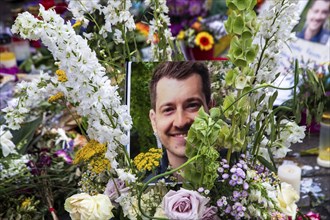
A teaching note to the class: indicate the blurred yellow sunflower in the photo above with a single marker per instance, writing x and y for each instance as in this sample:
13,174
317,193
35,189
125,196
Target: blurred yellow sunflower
204,40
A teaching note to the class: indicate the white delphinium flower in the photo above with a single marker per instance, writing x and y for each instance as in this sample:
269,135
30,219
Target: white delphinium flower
117,13
86,85
125,176
157,26
81,7
7,146
18,109
276,24
290,133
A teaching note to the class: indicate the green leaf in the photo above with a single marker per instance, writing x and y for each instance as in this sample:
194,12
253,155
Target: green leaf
272,100
266,163
24,135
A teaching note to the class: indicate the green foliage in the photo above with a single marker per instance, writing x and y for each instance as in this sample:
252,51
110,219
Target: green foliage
311,95
142,137
23,137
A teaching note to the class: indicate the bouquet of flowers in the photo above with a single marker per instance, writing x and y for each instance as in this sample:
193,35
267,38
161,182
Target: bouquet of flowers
240,185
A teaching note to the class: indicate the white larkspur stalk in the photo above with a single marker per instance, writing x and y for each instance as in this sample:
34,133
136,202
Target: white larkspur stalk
116,14
159,25
87,87
274,33
31,94
276,24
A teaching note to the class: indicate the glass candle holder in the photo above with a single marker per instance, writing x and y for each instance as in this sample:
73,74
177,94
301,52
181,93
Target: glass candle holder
324,141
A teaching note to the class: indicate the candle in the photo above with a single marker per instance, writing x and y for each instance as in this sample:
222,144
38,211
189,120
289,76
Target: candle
291,174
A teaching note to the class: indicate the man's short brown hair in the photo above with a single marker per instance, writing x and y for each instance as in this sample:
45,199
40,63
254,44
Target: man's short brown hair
180,70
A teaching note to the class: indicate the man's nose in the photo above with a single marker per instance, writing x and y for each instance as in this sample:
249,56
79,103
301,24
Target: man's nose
182,119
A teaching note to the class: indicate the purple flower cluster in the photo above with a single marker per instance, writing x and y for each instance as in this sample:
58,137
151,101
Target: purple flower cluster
233,178
43,160
183,13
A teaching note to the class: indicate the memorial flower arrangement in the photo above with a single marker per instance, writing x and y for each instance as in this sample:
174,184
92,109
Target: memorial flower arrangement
241,185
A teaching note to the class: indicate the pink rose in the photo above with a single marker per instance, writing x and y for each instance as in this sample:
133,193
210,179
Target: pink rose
111,189
210,213
184,204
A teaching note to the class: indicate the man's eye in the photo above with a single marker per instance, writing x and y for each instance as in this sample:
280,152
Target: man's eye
194,105
167,110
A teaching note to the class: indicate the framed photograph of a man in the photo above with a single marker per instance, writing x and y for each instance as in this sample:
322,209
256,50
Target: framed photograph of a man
314,22
164,98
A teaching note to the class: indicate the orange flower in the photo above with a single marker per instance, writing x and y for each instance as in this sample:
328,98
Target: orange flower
197,26
143,28
204,40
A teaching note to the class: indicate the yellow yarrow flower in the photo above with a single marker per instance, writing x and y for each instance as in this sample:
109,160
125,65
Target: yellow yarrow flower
149,160
61,75
204,40
92,148
99,165
56,97
77,24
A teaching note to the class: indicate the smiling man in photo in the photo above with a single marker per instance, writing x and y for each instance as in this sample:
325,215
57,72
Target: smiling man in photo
177,91
317,15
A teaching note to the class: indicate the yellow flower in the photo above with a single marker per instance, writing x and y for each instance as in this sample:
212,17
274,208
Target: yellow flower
204,40
77,24
99,165
61,76
26,203
92,148
149,160
56,97
181,35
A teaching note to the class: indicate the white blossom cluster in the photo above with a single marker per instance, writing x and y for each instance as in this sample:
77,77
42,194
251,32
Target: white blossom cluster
276,24
129,203
6,144
290,133
274,33
157,25
79,8
14,167
32,94
117,13
87,87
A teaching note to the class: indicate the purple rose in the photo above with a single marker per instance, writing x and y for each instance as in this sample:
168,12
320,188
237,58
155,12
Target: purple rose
184,204
111,189
210,213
